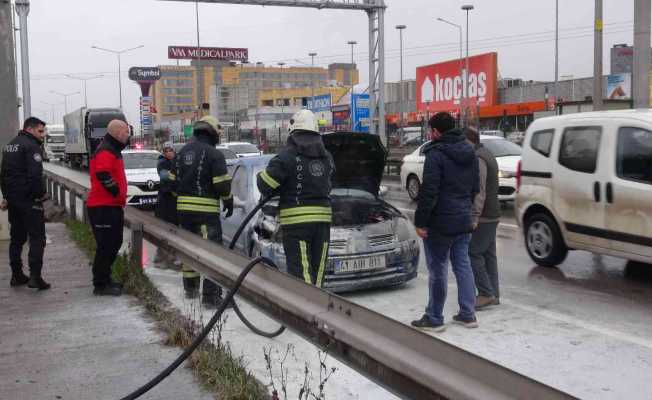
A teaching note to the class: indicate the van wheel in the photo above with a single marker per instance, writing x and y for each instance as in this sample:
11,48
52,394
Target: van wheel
544,242
413,187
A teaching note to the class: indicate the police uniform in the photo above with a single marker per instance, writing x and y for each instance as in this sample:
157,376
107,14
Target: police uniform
21,180
301,175
202,181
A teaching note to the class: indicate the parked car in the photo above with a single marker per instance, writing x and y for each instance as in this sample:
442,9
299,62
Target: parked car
241,149
372,243
586,184
494,132
507,155
142,178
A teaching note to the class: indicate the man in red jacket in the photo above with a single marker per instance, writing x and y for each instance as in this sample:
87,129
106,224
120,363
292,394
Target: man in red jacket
106,202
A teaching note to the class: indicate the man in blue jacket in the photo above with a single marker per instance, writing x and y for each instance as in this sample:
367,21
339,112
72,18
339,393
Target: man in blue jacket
443,220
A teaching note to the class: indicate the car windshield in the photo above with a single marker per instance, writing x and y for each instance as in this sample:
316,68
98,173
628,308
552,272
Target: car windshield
243,148
140,160
502,147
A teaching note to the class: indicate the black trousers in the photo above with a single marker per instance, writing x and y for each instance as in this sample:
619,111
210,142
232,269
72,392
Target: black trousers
209,231
27,222
166,207
306,250
107,224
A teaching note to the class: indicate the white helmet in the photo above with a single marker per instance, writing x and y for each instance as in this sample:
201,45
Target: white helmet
304,120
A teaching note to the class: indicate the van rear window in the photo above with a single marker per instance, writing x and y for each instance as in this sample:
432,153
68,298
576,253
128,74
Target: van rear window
579,148
541,141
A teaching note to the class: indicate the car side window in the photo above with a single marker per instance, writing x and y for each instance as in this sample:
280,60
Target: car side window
239,183
579,148
634,155
541,141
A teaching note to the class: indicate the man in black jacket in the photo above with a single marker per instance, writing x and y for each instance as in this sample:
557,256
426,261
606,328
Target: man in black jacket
166,204
21,181
443,220
301,174
202,181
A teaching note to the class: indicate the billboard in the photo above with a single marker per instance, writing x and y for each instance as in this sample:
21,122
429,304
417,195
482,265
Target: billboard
322,103
619,86
207,53
144,74
441,87
360,112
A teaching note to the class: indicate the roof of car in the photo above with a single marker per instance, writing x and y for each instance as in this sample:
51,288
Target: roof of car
230,143
253,161
643,114
140,151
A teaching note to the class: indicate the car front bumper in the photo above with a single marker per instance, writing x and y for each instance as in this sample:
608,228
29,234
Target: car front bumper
506,189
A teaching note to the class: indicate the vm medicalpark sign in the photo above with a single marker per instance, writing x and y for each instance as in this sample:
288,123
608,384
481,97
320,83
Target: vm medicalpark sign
207,53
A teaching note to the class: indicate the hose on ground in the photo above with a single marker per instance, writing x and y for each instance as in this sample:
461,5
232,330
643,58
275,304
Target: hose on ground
207,329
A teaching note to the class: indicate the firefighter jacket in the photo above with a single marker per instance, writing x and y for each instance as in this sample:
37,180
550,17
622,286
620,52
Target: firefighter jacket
21,177
201,181
107,171
301,175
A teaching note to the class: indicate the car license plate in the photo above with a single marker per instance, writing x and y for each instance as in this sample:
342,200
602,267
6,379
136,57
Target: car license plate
148,200
360,264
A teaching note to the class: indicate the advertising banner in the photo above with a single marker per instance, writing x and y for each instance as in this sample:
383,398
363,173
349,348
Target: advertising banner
144,74
207,53
441,87
360,112
322,103
619,86
146,120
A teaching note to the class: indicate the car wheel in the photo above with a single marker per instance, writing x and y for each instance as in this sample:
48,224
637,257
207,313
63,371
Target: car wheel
413,187
544,242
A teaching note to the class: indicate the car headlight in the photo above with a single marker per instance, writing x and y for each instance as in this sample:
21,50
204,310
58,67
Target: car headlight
505,174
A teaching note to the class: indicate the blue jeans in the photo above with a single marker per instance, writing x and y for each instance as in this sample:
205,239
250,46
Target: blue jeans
437,254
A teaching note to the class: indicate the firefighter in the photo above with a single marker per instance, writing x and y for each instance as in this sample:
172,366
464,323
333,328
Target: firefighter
301,175
23,194
201,182
166,204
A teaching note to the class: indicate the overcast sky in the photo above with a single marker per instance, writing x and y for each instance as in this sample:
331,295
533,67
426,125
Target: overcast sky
62,32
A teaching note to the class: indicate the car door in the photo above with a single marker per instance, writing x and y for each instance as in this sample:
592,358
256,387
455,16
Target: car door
577,187
628,191
240,192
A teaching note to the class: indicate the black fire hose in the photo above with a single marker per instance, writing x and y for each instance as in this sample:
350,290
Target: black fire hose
237,310
207,329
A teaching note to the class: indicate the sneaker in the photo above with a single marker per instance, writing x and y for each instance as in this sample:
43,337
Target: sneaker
18,279
466,322
426,324
107,290
38,283
482,302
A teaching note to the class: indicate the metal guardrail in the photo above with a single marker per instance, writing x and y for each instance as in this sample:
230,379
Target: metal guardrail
405,361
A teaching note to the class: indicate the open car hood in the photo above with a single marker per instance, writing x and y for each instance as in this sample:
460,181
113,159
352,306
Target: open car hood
359,160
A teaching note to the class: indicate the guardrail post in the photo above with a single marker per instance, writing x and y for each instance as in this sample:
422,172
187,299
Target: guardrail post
72,199
62,196
137,242
55,192
84,212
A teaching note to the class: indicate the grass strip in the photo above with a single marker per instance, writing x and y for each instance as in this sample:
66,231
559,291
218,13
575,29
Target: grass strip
213,363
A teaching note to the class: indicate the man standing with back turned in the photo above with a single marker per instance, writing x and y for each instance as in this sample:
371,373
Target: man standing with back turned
21,180
443,220
106,201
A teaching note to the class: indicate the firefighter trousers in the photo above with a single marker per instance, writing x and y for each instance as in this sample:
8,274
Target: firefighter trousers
107,224
306,250
27,222
191,279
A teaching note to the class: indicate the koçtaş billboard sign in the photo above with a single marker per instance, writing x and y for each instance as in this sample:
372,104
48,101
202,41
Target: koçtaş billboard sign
441,87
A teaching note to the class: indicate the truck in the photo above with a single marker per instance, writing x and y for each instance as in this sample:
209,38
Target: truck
84,129
55,142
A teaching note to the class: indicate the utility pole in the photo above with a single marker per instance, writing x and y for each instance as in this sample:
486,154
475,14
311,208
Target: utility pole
556,52
312,74
22,9
8,98
281,64
352,43
467,8
641,71
401,109
597,57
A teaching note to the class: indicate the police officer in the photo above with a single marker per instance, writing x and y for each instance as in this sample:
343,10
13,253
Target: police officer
301,174
21,181
166,205
201,182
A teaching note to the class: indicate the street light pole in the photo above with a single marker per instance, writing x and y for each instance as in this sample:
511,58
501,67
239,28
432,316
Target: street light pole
22,9
351,43
281,64
400,85
556,52
467,8
312,74
52,105
118,53
464,92
65,98
84,80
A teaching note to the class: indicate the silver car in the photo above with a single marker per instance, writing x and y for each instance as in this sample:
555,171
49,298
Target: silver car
372,243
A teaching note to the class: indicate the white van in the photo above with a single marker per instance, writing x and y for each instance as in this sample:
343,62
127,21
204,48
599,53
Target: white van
585,183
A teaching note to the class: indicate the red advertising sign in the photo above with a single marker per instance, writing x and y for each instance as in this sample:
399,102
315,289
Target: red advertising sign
207,53
441,87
